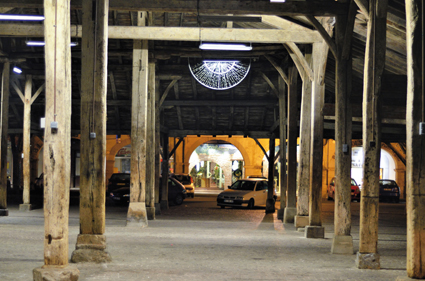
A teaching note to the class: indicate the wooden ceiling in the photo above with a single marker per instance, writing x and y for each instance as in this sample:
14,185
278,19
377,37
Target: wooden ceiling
250,108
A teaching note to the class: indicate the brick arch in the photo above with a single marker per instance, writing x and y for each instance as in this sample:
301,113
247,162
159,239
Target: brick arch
189,150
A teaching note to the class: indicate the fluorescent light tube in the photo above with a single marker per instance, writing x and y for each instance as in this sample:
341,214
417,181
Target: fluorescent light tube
17,70
42,43
21,17
35,43
277,1
225,47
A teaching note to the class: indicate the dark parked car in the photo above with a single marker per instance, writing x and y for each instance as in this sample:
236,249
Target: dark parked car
176,193
187,181
389,191
355,190
118,180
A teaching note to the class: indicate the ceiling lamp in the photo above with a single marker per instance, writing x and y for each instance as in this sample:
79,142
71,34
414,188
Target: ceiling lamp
225,47
277,1
42,43
17,70
21,17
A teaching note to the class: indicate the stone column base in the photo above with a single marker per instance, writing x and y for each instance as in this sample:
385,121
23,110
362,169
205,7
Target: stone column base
368,261
164,204
280,214
270,208
25,207
136,215
150,211
289,215
314,232
157,209
90,248
342,244
57,273
301,221
4,212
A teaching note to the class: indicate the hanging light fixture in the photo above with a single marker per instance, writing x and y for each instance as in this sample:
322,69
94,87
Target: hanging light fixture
17,70
21,17
42,43
225,46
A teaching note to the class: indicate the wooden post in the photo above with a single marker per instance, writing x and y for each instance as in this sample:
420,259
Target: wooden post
165,169
3,143
368,256
26,206
137,209
157,148
315,229
415,143
91,242
282,147
150,144
57,143
270,208
303,177
342,242
291,209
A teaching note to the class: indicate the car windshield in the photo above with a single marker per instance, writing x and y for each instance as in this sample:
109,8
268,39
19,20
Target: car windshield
387,183
120,177
243,185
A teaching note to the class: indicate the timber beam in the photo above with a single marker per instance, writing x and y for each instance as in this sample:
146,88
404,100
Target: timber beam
234,35
235,7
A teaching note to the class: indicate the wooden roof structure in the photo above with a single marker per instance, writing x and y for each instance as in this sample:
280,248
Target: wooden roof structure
175,31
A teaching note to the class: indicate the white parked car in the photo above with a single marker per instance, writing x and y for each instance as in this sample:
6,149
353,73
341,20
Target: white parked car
245,193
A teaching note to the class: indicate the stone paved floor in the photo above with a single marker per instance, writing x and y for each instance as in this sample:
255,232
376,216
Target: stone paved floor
199,241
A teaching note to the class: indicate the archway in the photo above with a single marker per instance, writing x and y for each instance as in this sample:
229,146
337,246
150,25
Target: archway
211,164
387,165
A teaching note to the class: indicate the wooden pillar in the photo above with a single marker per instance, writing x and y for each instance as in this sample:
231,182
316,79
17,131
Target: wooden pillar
137,209
91,242
303,177
415,143
291,207
368,256
315,229
282,147
26,206
342,242
157,148
150,144
57,143
270,208
165,169
3,143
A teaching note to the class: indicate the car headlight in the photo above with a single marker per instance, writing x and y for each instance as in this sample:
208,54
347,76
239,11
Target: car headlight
126,195
239,197
111,194
220,196
395,189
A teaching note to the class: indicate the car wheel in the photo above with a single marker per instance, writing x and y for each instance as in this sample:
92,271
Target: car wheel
251,203
397,200
178,200
193,195
222,207
329,198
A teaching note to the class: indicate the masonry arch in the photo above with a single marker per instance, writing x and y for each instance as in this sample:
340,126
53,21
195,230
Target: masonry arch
191,148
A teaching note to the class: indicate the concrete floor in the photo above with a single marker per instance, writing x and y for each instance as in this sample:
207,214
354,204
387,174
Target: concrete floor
199,241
